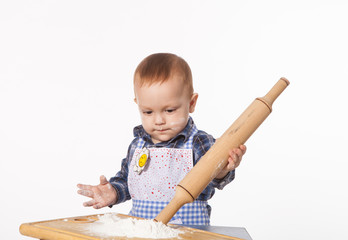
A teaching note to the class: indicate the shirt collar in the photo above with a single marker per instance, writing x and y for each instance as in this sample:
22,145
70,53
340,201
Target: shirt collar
139,131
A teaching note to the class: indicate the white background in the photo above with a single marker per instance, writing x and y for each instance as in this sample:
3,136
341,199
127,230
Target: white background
67,110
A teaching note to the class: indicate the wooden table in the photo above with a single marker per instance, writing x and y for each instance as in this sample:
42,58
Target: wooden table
74,228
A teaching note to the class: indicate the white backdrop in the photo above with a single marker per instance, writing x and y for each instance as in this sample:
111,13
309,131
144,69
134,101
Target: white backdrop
67,110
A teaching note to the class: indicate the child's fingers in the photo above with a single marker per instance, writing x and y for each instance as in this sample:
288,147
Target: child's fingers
236,164
86,193
234,155
89,203
84,187
97,206
238,153
231,164
243,148
103,180
235,158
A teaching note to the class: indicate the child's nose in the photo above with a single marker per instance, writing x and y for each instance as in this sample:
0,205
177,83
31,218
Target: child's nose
159,119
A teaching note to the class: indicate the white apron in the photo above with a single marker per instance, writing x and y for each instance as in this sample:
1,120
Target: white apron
154,187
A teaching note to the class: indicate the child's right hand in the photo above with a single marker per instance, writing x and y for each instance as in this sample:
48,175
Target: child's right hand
102,195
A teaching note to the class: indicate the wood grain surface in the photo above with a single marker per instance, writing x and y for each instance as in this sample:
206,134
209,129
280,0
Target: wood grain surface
76,228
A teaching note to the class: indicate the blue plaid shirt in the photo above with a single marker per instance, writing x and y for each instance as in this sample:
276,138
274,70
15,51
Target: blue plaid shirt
201,144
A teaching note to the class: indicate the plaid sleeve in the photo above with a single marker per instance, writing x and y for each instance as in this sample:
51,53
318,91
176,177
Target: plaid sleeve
120,180
201,144
221,183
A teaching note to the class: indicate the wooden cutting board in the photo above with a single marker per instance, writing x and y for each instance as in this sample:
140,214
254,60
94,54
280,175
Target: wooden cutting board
75,228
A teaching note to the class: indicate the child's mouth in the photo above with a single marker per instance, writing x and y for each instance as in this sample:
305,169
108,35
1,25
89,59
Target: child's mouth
161,130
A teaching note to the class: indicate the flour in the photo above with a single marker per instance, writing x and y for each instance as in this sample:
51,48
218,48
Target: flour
110,225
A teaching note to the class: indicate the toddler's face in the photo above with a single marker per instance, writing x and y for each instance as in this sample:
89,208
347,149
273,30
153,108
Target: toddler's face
164,108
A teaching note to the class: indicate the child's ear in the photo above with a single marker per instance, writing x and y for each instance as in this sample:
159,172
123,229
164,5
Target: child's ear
193,102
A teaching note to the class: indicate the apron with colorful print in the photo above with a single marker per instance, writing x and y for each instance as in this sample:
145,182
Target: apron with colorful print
154,187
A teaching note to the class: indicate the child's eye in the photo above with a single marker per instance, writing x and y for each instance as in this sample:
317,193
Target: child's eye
170,110
147,112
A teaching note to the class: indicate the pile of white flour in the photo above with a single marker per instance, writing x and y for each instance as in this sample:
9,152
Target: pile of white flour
110,225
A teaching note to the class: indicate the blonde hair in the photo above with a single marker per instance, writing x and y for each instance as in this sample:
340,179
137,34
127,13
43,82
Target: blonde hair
159,67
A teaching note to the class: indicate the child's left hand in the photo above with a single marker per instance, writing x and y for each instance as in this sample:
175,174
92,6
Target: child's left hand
234,160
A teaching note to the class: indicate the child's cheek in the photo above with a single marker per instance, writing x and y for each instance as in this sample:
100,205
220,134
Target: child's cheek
178,123
145,122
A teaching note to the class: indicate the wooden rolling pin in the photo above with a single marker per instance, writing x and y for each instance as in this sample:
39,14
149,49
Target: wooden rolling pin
216,158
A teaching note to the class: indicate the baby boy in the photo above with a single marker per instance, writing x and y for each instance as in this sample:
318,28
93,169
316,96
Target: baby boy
165,147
